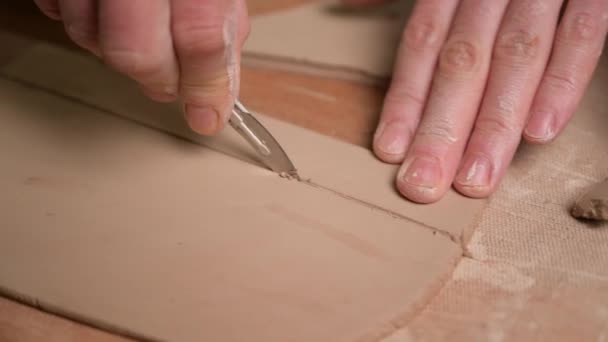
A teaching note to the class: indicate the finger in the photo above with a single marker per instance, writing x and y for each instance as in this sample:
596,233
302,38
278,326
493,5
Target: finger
50,8
208,38
135,39
80,21
520,55
460,79
421,42
577,48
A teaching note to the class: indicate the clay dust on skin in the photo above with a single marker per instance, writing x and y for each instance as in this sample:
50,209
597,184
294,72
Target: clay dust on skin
230,36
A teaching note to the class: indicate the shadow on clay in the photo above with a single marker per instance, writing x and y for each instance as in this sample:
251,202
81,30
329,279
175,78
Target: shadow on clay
86,140
392,10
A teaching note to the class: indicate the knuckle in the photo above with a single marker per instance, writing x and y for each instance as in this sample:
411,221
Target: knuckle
458,57
519,45
439,130
581,27
402,94
196,38
564,83
421,34
496,125
506,105
202,92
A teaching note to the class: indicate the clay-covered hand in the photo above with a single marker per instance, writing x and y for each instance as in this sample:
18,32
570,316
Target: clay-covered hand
187,49
474,76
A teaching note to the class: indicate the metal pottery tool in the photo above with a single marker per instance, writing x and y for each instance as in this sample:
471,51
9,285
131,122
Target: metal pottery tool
268,148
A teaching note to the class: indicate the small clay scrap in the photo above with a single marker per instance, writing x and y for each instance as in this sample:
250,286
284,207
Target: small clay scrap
594,205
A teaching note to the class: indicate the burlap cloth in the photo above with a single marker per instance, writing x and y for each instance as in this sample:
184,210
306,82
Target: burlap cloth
534,273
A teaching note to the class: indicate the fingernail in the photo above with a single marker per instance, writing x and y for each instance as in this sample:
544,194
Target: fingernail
203,120
541,127
475,172
423,172
393,139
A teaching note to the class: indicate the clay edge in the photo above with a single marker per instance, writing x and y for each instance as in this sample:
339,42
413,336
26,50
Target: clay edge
92,323
455,239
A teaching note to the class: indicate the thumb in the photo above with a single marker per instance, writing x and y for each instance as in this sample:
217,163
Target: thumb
208,37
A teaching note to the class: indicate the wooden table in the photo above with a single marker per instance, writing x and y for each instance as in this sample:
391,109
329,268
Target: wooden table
552,285
342,109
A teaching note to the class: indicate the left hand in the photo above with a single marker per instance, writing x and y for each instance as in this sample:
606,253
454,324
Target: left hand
472,77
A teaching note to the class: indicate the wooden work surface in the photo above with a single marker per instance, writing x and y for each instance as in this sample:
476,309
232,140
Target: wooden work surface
345,110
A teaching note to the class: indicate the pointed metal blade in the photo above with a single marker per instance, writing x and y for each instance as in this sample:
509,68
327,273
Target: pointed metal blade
269,150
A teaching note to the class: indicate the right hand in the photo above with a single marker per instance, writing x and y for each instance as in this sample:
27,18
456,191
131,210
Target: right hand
188,49
474,77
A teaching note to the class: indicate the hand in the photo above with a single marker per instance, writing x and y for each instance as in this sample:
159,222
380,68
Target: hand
472,77
173,48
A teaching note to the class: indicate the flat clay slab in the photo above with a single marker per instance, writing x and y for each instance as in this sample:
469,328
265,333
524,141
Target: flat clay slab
119,225
345,169
129,229
329,38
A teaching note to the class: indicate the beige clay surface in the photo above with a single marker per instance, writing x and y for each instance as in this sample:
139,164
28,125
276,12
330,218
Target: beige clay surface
349,170
129,229
327,37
